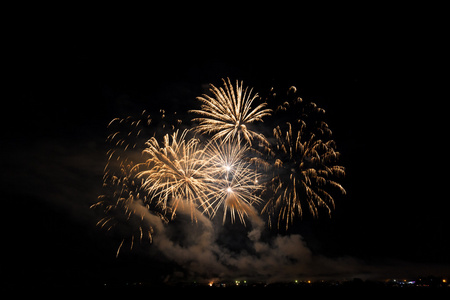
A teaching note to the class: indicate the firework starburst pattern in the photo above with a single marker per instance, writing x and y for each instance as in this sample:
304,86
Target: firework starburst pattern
223,164
228,113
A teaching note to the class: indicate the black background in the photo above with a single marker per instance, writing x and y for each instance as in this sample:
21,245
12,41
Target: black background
378,82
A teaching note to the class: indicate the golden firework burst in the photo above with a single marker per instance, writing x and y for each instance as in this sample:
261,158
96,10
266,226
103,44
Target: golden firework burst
176,173
229,112
235,179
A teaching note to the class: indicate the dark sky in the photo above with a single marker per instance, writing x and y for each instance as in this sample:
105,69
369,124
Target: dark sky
380,87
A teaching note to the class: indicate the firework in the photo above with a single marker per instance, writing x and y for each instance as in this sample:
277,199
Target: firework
228,114
176,173
304,166
235,179
122,203
159,170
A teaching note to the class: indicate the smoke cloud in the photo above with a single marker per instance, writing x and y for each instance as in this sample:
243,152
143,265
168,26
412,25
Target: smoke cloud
201,252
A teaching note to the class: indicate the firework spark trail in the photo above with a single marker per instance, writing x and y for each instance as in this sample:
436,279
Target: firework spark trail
229,112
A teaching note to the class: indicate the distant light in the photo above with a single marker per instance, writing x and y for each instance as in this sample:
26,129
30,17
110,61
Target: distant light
444,280
309,281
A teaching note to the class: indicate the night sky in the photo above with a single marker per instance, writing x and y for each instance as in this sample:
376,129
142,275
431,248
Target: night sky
384,102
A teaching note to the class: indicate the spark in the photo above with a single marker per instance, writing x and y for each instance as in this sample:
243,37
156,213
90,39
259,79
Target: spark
118,249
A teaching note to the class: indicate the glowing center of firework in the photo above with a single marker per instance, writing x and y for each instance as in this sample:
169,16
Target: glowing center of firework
228,168
229,190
